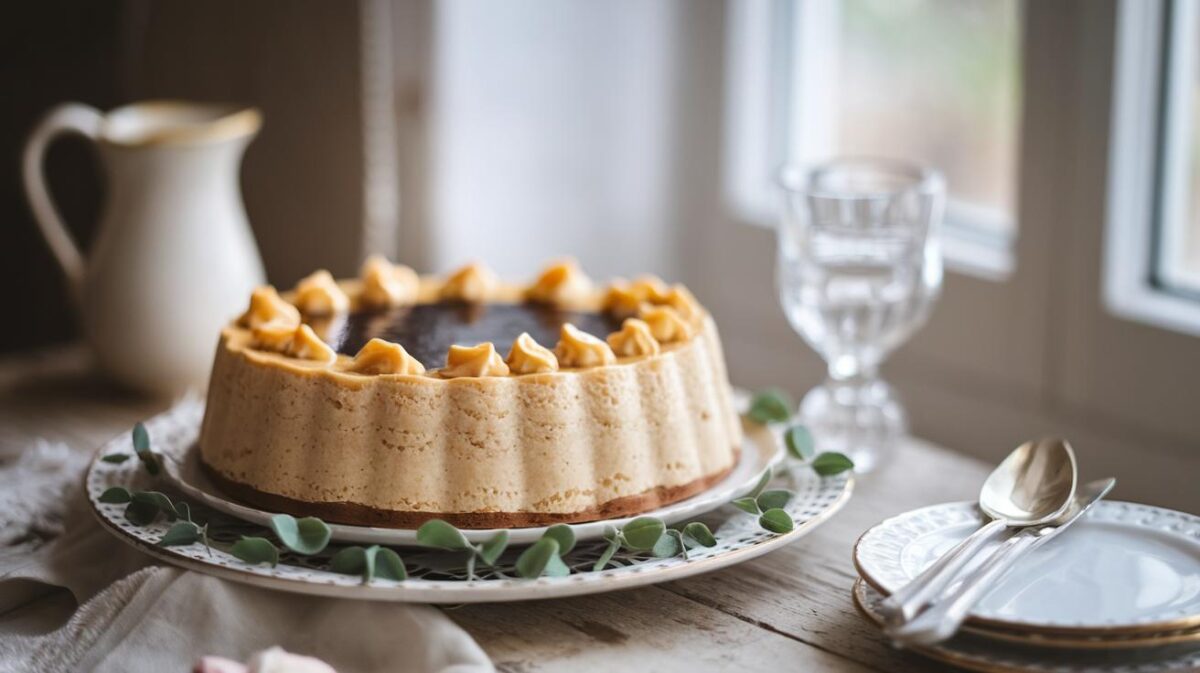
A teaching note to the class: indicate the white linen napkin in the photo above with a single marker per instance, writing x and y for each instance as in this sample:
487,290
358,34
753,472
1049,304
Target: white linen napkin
137,616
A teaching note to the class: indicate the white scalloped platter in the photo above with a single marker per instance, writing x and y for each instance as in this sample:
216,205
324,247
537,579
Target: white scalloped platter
439,577
1124,568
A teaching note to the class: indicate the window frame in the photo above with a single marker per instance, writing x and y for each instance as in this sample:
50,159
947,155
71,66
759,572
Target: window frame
1144,187
775,56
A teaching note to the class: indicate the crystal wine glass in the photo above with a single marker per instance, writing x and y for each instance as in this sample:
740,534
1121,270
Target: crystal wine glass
859,267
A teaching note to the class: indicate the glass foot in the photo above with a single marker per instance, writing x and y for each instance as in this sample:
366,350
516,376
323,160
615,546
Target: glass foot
863,420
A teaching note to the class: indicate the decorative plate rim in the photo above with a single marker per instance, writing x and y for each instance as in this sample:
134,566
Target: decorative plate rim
946,653
1145,626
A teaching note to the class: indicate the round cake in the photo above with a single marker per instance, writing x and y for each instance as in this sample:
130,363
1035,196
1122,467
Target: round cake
392,399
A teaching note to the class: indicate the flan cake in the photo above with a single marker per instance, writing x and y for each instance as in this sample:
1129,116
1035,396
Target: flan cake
392,398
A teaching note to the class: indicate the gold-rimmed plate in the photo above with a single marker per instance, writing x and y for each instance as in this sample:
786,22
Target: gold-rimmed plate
1107,642
983,654
1123,570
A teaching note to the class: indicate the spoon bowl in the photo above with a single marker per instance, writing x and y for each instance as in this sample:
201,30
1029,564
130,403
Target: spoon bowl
1034,485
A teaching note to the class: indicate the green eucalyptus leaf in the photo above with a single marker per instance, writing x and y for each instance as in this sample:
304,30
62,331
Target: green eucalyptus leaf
747,505
115,495
305,536
145,506
255,550
763,480
774,499
536,557
141,438
388,565
564,535
116,458
141,445
770,406
799,442
831,463
668,545
370,556
776,521
141,513
683,546
556,567
491,550
602,563
182,533
699,532
159,500
438,533
151,461
641,533
349,561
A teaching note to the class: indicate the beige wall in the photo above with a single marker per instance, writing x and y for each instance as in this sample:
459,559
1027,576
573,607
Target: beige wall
298,62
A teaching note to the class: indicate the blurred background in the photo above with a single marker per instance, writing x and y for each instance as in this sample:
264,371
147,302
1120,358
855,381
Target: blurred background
644,136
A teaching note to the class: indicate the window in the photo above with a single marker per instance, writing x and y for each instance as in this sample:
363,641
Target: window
1152,260
934,81
1177,256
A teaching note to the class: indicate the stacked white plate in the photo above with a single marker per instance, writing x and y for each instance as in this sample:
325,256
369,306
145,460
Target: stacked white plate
1118,591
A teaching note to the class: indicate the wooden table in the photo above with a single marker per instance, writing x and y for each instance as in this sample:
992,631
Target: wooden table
788,611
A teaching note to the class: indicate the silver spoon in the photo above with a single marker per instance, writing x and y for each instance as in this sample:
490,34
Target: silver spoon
1034,485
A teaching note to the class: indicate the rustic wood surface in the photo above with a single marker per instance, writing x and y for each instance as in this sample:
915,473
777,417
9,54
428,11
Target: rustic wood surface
789,610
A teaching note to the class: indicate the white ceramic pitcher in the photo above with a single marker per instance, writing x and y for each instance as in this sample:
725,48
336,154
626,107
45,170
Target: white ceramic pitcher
174,257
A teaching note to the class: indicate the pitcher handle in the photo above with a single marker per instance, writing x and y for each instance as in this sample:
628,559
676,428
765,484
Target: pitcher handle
66,118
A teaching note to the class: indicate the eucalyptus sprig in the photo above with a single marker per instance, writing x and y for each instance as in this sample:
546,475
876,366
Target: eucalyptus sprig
144,507
544,557
152,461
767,505
774,406
439,534
305,536
372,562
647,533
184,533
770,406
255,550
800,445
641,534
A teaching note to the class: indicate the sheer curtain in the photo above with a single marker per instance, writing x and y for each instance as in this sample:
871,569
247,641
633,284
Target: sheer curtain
549,135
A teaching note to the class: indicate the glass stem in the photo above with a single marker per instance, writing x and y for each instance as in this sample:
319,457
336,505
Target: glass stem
849,371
